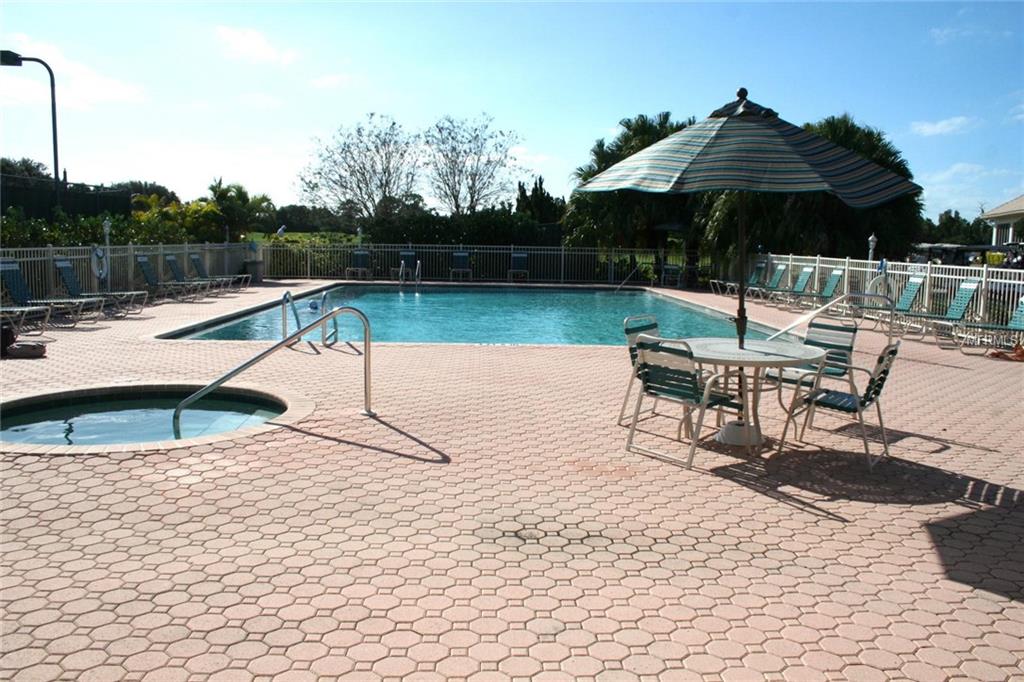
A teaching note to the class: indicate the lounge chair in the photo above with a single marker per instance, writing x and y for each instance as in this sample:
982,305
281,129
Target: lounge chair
827,293
207,286
157,289
74,309
406,269
988,334
360,265
633,327
20,318
852,402
239,282
836,337
723,287
772,285
460,266
944,324
518,267
667,371
671,274
799,288
123,302
881,313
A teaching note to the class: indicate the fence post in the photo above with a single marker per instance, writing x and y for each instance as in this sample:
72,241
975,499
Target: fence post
160,261
50,273
309,261
846,277
131,265
562,270
817,270
789,273
611,267
984,291
928,287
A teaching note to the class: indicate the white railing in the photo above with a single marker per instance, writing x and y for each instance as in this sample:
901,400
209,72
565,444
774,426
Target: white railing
999,292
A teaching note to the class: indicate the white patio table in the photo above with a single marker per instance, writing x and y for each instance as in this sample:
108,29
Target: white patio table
755,358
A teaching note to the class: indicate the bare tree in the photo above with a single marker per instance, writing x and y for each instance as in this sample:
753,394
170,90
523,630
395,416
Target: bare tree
365,165
468,163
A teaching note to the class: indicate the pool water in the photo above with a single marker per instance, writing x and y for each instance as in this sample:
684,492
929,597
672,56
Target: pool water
494,315
101,421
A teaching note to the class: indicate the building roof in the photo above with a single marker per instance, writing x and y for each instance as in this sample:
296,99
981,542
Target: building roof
1012,208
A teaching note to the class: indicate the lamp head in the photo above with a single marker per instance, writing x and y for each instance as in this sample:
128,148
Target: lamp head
872,239
9,58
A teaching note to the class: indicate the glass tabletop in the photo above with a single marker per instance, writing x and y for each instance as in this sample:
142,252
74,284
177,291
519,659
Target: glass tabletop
755,353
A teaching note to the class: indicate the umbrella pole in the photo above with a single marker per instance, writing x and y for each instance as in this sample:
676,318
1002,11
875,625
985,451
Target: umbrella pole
741,313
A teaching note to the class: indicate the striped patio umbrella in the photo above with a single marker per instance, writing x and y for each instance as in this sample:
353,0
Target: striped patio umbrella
746,147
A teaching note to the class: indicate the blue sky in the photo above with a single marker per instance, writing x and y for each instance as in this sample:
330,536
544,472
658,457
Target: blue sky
182,93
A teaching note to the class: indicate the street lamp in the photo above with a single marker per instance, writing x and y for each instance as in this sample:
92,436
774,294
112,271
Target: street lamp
9,58
872,242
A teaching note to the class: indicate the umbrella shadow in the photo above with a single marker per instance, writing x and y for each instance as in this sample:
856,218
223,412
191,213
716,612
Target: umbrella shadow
983,548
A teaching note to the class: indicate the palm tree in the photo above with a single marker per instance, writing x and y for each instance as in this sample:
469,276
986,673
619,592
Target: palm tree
240,212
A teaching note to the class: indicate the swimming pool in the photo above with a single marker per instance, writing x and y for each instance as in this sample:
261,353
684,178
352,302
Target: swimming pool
493,315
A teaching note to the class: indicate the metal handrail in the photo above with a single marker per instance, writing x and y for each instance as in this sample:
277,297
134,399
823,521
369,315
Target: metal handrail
286,299
419,272
621,284
322,320
853,294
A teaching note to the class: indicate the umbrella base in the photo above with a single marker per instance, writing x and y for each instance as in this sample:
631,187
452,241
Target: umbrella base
739,433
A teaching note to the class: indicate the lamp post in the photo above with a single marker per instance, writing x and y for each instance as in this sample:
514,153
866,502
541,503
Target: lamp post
106,255
9,58
872,242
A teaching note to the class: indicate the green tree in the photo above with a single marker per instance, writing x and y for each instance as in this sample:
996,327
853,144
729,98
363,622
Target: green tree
24,167
539,204
241,213
954,229
141,187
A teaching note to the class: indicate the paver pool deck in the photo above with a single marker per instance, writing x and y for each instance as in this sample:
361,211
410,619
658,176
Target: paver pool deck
489,525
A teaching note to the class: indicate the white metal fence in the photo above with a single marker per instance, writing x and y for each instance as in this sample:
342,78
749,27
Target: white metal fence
999,291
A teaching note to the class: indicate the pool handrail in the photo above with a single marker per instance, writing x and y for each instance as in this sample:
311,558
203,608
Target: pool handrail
853,294
287,341
286,300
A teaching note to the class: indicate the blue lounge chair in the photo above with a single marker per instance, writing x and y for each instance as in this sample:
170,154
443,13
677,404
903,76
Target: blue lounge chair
726,287
73,309
518,267
22,318
235,281
944,324
987,334
460,266
123,302
904,304
206,286
360,265
786,296
407,266
773,284
827,293
157,288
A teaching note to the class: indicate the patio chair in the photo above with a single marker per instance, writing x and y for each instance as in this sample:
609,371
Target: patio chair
633,327
211,286
791,295
518,267
988,334
724,287
73,309
667,371
360,267
460,266
852,402
827,293
20,318
406,269
157,288
238,282
836,337
881,313
671,275
772,285
942,324
123,302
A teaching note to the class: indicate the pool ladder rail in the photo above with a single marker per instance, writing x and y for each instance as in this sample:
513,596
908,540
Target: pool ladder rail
326,339
403,273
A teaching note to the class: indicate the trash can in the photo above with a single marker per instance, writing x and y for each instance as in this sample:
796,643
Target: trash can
254,268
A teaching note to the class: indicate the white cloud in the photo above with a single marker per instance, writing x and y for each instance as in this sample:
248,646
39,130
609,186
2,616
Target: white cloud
948,34
250,45
947,126
331,81
965,187
530,159
1017,113
79,87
